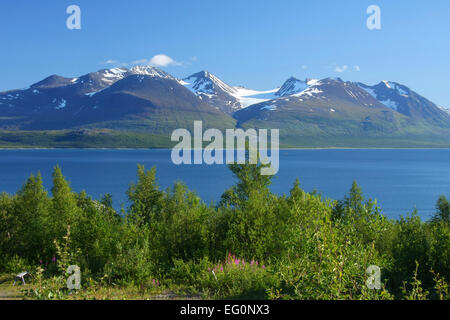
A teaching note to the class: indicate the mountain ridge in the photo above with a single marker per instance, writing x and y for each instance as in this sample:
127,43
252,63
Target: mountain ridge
148,99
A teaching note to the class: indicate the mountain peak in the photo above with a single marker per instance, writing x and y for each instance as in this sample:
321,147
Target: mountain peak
200,74
291,86
207,83
386,84
150,71
393,86
53,81
338,79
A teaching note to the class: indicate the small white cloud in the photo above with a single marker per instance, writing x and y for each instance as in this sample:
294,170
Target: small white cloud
110,61
304,67
140,62
341,69
159,60
357,68
162,60
113,62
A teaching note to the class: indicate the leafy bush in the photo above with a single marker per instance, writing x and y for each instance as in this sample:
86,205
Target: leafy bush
312,248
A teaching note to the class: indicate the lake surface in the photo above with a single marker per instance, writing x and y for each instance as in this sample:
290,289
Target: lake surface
399,179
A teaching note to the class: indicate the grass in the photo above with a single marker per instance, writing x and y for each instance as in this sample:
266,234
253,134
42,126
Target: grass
10,292
99,292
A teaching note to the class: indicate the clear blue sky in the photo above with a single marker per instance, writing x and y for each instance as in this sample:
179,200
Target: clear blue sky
256,43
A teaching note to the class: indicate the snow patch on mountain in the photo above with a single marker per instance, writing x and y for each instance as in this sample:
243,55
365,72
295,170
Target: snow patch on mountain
393,89
248,97
398,88
206,84
62,104
271,107
313,82
310,92
108,77
150,71
113,75
292,86
390,104
297,88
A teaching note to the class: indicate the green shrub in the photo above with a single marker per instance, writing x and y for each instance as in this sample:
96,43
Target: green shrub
313,248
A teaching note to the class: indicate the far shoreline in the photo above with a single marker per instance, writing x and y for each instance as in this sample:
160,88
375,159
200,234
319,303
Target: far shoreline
281,149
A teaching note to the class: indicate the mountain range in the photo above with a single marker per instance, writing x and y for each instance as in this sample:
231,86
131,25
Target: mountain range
141,106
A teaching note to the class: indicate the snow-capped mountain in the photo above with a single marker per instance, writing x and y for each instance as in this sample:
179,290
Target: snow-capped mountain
331,107
118,98
291,86
204,82
95,81
147,98
297,94
295,91
216,92
56,92
387,93
312,96
403,100
212,90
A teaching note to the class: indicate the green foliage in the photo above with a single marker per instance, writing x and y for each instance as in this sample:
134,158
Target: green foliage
144,196
232,278
238,279
31,210
327,260
258,220
14,265
442,210
310,247
130,265
64,204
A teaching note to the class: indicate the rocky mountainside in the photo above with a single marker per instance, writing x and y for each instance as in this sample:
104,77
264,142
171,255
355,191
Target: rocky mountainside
147,99
139,99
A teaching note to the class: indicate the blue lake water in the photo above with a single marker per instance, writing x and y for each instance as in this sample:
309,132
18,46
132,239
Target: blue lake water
399,179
